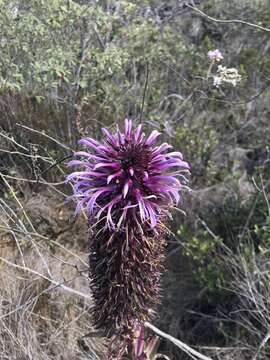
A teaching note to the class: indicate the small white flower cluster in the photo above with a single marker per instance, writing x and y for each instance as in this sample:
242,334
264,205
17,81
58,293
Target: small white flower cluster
224,74
215,55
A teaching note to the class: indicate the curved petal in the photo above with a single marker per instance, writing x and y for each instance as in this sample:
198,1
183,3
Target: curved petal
152,137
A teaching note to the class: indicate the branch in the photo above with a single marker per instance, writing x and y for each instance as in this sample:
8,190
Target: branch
184,347
44,238
58,284
144,91
45,135
194,8
262,344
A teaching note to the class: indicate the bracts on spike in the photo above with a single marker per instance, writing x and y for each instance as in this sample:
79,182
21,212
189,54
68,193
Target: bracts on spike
125,282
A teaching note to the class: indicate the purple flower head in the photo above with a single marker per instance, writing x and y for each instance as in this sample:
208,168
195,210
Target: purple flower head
127,179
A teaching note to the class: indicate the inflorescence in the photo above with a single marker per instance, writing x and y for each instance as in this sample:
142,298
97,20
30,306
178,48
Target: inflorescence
127,186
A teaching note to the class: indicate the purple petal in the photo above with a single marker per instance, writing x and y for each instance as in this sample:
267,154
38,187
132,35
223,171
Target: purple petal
112,176
139,343
172,163
78,162
89,155
121,137
130,206
83,185
98,148
175,154
146,176
109,216
112,165
152,215
95,196
160,149
128,127
76,174
109,136
166,178
109,205
89,142
142,211
80,204
152,137
126,188
137,133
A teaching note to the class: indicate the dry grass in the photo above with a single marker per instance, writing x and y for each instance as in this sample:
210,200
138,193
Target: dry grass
44,290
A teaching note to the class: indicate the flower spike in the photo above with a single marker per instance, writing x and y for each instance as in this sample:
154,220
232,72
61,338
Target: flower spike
127,185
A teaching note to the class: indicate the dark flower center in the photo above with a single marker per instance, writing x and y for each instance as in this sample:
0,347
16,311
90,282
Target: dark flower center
136,158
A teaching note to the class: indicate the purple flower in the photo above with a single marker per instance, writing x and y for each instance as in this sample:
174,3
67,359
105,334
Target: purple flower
215,55
127,177
127,185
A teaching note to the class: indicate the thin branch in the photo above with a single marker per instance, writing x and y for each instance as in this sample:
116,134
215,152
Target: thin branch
33,180
18,202
252,98
144,91
13,141
264,194
100,41
262,344
44,238
45,135
57,162
58,284
32,300
237,21
184,347
47,159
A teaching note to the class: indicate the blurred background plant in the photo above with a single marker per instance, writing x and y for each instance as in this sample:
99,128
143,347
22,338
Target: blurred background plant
68,68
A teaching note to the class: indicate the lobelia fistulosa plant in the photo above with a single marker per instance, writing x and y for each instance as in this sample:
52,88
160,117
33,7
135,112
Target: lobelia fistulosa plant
127,187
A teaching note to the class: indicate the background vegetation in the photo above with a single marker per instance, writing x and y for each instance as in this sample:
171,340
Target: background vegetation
69,67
